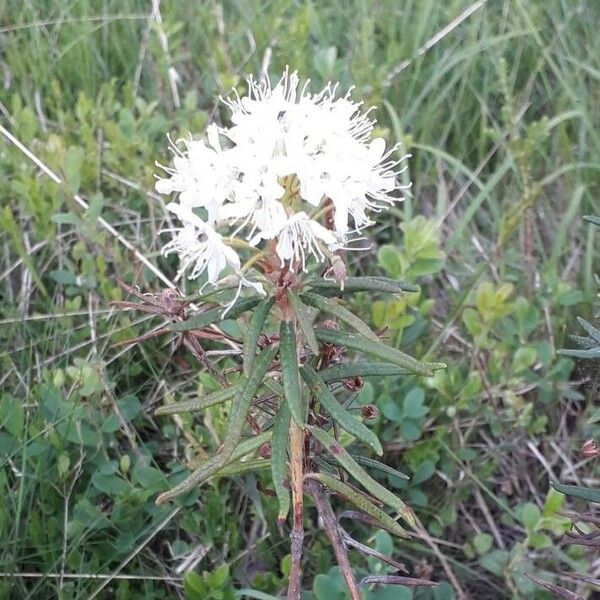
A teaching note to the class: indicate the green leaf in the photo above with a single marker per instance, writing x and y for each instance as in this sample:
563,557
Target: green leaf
591,330
482,543
255,594
237,417
363,284
148,477
215,315
112,485
529,515
594,353
63,277
341,455
390,259
306,324
412,406
359,369
239,468
576,491
343,314
424,472
327,588
592,219
12,415
251,444
72,167
379,466
197,404
523,359
242,449
337,412
289,371
387,353
409,430
255,328
279,469
360,501
554,501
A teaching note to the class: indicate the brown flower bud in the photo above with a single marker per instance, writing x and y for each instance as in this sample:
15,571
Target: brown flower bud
369,411
590,449
353,383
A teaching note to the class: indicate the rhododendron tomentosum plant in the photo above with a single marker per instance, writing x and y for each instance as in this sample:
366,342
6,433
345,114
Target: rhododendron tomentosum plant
267,209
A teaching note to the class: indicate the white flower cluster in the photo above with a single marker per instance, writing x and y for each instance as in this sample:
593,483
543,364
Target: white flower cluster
294,167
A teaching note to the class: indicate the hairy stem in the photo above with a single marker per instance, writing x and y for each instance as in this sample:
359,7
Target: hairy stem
335,537
297,534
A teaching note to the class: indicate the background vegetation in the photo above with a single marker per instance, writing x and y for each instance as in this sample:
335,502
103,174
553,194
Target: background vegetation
501,113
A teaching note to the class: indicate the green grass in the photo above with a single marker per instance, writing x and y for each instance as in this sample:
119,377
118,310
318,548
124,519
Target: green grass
502,118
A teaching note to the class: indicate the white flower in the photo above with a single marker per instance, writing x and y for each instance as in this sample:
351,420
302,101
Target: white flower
199,246
300,237
287,154
202,174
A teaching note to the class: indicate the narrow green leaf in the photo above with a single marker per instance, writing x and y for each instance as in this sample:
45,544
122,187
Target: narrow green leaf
279,470
306,325
387,353
341,455
255,328
246,447
215,315
343,314
235,424
379,466
239,468
289,371
197,404
359,500
577,491
592,219
593,353
337,411
251,444
359,369
364,284
591,330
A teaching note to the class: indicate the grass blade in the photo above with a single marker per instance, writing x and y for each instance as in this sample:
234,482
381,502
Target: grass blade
343,489
337,412
341,455
255,327
289,371
387,353
343,314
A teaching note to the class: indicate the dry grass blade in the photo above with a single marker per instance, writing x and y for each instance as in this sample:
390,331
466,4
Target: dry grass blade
397,580
555,590
431,42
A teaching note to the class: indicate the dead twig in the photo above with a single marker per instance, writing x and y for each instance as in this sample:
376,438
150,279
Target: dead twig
334,534
297,533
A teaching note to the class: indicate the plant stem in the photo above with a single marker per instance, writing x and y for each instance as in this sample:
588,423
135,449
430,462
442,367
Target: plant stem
335,537
297,534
